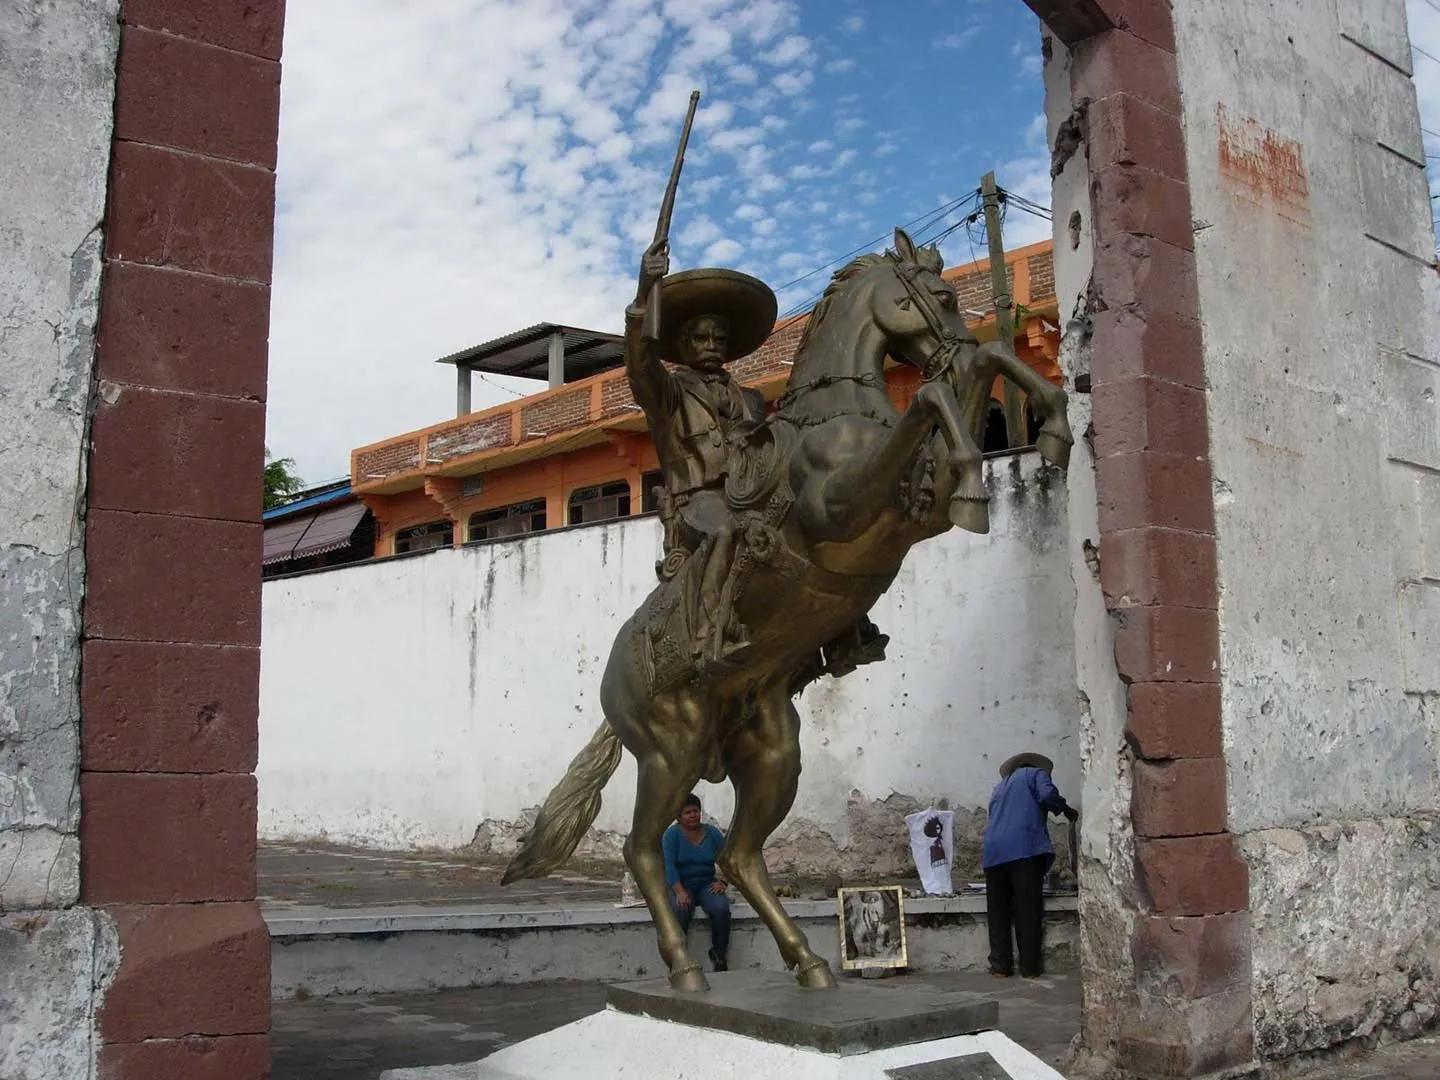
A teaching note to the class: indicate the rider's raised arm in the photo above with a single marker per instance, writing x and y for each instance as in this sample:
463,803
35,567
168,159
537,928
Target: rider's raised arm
654,388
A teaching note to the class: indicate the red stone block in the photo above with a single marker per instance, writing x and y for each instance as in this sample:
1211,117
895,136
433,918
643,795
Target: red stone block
163,838
1145,489
166,453
150,707
1168,644
1178,798
229,1057
1158,566
1149,414
1117,62
184,94
1133,199
1134,344
1174,720
1192,957
1124,130
188,969
152,577
173,330
169,208
255,26
1145,275
1149,20
1193,875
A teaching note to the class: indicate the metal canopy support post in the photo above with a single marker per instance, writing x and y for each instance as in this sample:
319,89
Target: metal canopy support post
462,390
557,360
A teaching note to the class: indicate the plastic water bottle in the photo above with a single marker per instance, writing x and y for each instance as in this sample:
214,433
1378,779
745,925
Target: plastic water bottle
627,889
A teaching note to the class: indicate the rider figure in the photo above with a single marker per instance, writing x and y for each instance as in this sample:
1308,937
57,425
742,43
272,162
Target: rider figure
697,413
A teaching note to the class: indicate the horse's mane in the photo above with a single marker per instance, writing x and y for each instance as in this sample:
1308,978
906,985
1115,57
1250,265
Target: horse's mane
927,257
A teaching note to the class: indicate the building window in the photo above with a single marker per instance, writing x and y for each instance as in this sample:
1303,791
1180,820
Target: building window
600,503
650,484
434,534
513,520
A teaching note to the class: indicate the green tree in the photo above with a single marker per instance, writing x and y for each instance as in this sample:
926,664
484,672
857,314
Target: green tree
280,482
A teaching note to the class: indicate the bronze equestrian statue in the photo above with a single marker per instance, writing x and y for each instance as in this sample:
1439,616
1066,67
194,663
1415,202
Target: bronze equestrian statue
821,502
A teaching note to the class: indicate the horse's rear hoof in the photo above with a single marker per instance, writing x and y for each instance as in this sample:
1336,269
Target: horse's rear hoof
690,980
972,515
817,976
1053,449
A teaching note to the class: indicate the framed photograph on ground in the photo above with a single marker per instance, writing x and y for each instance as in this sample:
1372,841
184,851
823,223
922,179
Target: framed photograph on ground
872,927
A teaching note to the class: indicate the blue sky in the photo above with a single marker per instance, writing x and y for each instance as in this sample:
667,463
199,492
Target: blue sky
453,170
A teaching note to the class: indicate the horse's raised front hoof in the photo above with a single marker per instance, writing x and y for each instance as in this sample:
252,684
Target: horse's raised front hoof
816,976
689,980
972,515
1053,448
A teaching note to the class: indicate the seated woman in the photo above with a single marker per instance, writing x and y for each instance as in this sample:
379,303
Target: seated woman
690,848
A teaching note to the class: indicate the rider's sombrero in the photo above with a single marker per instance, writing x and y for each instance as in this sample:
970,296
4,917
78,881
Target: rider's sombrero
1026,761
744,302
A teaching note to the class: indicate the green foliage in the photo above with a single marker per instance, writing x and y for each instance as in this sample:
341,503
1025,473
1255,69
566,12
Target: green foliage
281,483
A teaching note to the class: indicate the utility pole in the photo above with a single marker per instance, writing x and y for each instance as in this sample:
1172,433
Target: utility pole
1016,434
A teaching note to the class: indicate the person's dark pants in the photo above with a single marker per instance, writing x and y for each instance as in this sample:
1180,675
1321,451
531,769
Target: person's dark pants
717,910
1015,897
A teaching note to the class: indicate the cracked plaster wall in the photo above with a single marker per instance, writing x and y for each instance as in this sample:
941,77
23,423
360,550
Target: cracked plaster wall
1107,901
473,676
57,79
1321,313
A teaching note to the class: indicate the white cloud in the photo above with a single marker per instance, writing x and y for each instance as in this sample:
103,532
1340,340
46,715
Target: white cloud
763,227
844,158
791,83
959,39
806,172
743,74
792,50
885,149
841,66
848,125
749,212
852,24
819,146
722,252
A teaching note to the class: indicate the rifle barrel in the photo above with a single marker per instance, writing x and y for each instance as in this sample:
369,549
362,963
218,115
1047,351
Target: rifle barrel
662,226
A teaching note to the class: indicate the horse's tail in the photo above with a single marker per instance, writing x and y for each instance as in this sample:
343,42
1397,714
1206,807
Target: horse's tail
569,810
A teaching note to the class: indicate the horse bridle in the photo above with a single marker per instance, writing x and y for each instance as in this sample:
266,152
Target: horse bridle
950,341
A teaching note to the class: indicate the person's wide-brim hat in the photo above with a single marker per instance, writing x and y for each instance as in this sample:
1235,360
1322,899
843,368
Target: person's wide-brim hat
1026,761
747,305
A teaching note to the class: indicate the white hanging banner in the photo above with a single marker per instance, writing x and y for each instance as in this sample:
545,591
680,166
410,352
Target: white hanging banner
932,842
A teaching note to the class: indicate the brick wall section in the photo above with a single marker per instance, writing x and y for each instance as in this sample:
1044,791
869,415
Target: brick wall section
559,412
1042,277
469,438
173,540
1157,552
391,458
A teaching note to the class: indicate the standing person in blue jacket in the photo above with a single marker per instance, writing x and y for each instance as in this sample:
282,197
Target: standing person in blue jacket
691,847
1018,855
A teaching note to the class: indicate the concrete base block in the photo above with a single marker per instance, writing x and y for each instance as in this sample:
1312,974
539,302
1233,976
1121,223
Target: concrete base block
614,1043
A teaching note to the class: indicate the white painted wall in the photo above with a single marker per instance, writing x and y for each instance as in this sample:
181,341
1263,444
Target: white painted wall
1322,325
57,83
407,702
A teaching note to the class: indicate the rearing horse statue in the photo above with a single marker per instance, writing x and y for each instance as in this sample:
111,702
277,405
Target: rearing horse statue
828,497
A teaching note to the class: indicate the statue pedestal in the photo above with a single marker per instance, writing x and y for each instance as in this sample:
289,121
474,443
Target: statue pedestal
755,1024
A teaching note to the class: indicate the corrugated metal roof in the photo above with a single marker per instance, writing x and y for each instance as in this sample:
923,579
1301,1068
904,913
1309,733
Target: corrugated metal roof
328,528
341,490
526,353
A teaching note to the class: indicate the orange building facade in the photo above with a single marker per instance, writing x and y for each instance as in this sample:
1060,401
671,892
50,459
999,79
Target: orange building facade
581,452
